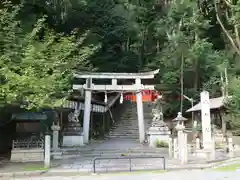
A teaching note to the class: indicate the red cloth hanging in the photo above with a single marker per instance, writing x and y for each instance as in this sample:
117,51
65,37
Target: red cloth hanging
147,96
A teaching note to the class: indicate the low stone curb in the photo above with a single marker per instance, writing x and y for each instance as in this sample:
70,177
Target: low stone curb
68,172
23,173
226,162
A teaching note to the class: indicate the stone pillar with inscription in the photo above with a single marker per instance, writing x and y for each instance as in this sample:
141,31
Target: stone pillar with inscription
47,151
206,120
55,129
230,147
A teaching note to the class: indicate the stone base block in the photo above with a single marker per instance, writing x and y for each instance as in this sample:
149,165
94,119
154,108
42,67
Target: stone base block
205,154
155,138
27,155
57,155
73,141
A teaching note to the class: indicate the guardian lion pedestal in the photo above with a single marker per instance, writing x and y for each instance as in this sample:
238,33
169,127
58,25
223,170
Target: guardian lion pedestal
73,133
158,133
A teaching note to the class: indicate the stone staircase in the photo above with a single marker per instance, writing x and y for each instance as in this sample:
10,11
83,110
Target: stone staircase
127,125
122,141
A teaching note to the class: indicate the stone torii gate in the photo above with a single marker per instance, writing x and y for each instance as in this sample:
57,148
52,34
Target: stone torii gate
137,88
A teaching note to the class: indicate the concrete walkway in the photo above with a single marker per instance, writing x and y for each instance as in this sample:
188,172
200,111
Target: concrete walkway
178,175
21,172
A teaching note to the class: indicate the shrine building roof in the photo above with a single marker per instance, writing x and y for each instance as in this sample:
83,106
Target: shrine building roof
215,103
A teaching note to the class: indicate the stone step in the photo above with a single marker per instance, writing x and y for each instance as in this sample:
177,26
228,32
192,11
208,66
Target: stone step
126,122
130,125
125,131
137,148
133,119
117,153
116,165
122,136
92,155
135,136
125,127
122,131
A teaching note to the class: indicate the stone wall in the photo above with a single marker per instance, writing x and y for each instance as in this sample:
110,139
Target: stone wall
27,155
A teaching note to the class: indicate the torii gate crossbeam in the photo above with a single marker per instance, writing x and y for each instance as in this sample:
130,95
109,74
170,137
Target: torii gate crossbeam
137,88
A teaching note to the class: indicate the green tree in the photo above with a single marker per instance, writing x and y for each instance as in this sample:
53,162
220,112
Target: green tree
36,65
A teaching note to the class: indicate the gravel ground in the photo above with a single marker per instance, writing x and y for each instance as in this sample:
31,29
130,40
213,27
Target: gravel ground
180,175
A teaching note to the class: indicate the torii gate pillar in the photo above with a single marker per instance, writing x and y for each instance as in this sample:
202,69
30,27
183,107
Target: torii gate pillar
140,112
87,111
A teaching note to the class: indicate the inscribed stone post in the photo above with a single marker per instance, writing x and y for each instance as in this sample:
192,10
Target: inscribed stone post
230,147
55,129
197,143
180,140
170,147
47,151
206,120
213,150
175,148
185,149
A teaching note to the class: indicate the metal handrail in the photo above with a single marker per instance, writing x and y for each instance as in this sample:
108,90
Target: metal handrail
130,160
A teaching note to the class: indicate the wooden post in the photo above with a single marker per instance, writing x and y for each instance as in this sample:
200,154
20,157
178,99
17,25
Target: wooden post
140,112
87,111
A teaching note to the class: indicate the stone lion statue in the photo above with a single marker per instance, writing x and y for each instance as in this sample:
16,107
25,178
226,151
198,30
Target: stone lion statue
157,115
73,117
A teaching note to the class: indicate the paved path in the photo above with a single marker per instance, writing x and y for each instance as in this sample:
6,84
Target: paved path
180,175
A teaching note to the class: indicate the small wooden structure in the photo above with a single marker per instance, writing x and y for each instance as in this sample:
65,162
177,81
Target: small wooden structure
28,144
217,107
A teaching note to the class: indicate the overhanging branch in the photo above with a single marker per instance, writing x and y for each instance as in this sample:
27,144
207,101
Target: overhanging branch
225,30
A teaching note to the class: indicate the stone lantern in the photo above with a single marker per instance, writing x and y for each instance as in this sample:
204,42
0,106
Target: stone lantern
180,119
181,150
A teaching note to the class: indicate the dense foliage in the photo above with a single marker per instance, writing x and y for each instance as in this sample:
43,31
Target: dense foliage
42,42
